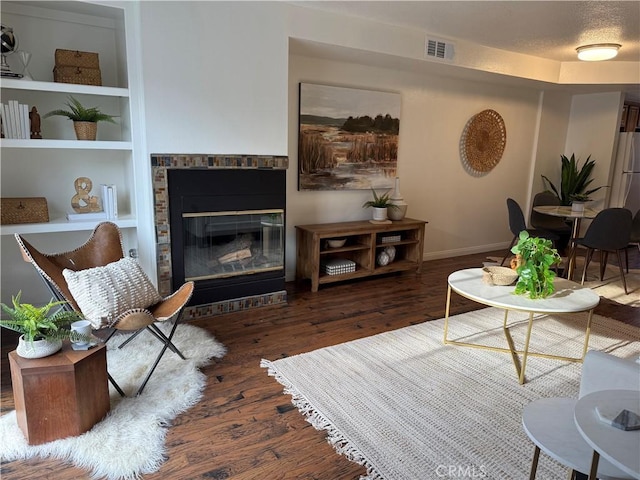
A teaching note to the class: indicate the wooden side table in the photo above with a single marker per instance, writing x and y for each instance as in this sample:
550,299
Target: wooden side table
62,395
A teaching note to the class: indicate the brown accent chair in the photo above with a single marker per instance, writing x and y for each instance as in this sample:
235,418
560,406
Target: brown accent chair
104,247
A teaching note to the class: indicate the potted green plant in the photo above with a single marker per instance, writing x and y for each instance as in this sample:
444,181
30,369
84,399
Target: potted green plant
42,332
85,120
574,181
577,202
380,204
534,258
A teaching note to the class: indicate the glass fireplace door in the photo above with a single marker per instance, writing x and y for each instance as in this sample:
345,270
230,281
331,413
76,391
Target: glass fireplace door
232,243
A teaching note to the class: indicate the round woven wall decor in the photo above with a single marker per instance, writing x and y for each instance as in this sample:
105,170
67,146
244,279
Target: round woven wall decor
483,141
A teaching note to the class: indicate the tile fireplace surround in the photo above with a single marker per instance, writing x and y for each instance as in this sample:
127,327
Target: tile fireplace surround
160,163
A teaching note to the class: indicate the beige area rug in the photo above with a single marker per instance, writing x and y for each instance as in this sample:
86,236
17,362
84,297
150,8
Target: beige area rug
610,287
129,441
408,407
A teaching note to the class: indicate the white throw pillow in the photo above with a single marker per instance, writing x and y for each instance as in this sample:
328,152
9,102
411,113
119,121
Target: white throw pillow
103,293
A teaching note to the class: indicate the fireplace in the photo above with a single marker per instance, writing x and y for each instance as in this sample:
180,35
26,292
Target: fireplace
227,230
220,222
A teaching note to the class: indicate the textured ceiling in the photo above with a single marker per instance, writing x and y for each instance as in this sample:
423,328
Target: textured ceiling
546,29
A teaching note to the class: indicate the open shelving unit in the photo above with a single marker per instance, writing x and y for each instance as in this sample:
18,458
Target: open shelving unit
47,167
364,241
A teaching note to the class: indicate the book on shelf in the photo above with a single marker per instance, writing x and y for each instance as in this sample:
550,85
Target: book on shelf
86,217
110,200
15,120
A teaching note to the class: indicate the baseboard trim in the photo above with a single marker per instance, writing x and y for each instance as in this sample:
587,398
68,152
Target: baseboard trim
459,252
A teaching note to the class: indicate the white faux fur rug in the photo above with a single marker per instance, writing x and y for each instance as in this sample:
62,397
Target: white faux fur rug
408,407
135,425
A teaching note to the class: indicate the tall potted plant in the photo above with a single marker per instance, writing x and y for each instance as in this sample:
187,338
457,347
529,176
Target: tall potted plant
85,120
574,181
534,258
42,332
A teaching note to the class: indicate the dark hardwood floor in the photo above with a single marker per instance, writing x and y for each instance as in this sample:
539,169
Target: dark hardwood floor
245,427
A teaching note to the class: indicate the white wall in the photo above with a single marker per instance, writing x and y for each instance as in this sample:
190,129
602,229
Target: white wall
593,131
215,77
554,119
229,85
466,214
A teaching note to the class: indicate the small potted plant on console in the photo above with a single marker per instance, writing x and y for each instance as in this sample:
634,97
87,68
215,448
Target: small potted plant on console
380,204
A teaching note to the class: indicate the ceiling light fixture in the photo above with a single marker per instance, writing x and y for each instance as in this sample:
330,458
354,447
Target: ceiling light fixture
598,51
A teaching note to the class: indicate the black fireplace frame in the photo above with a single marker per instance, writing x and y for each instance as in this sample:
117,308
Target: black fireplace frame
198,190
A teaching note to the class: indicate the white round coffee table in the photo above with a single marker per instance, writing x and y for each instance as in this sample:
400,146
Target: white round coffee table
568,297
620,447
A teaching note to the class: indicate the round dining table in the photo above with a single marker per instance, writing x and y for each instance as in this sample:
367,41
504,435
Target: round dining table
576,218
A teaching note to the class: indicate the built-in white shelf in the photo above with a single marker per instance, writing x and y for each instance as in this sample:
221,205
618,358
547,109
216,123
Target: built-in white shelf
63,88
65,144
64,225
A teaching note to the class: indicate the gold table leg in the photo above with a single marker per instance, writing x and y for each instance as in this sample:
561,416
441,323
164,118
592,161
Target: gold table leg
520,368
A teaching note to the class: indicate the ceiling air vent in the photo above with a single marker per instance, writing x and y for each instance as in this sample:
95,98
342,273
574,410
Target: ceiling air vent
439,49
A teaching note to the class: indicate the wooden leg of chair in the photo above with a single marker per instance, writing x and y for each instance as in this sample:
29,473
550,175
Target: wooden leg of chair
624,281
534,463
587,260
604,258
626,258
509,250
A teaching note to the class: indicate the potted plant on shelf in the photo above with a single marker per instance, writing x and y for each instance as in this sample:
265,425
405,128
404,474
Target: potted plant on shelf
42,333
574,181
380,204
85,120
534,258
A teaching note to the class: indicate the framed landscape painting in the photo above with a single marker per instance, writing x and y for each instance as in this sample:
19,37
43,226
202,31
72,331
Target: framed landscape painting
347,138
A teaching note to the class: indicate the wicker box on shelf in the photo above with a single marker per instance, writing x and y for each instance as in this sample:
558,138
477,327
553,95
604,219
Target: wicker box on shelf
74,66
23,210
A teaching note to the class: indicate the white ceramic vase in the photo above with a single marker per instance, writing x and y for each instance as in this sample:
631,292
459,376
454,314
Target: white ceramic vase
577,207
37,348
400,210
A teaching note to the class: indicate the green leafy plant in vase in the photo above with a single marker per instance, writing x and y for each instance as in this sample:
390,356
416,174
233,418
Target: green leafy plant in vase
574,181
85,119
535,257
42,331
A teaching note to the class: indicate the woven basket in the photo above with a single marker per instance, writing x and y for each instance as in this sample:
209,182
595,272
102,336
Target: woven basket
483,141
499,276
77,75
86,130
23,210
76,58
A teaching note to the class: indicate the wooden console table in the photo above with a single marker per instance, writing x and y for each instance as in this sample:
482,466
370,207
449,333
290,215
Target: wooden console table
364,241
61,395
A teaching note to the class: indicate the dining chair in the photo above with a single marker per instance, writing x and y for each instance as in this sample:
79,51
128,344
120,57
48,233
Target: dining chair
609,232
517,224
634,238
548,223
110,290
550,424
